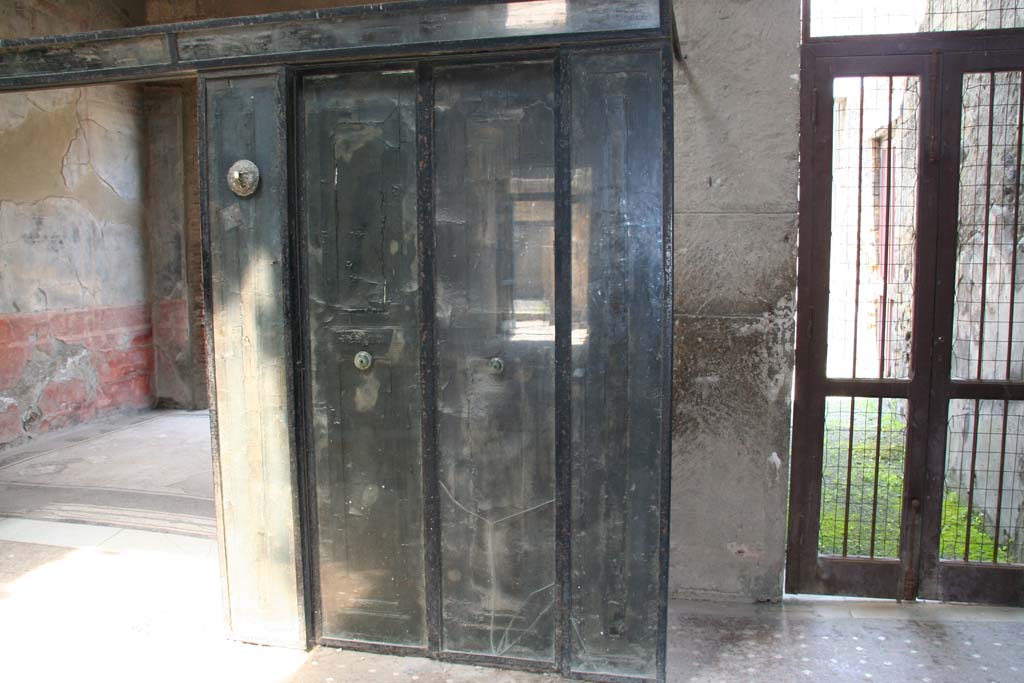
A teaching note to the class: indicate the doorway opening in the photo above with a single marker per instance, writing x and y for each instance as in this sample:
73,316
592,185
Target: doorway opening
106,481
908,469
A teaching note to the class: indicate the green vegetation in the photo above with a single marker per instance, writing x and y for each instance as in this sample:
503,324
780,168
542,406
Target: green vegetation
954,534
891,445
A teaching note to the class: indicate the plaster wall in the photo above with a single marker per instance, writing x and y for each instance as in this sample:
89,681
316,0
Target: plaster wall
172,227
75,337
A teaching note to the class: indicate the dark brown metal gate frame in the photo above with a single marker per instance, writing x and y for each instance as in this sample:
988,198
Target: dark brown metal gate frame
939,60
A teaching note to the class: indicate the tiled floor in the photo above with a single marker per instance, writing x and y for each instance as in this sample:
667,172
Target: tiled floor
84,603
847,640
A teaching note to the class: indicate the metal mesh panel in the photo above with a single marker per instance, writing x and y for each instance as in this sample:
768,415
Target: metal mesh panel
983,505
989,323
874,226
866,17
862,476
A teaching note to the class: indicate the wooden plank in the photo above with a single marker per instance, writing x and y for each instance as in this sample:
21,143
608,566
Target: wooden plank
307,36
495,303
360,190
382,26
252,358
618,361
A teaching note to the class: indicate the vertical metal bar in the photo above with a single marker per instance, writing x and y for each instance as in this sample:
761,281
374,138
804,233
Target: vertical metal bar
667,323
428,372
985,238
298,294
874,492
883,323
999,491
563,360
817,108
1009,343
886,237
917,470
1016,223
849,477
939,211
970,481
981,317
860,218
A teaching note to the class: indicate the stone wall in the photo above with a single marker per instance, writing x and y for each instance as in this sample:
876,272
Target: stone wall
74,330
973,15
175,267
737,121
75,336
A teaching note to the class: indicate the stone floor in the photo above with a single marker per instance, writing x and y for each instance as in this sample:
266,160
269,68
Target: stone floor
104,593
149,471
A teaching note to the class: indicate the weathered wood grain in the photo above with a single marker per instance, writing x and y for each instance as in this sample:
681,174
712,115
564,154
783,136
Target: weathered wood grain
495,300
359,184
618,360
252,357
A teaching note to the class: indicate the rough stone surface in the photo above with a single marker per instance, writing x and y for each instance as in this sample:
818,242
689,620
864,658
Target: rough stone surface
736,100
737,122
733,264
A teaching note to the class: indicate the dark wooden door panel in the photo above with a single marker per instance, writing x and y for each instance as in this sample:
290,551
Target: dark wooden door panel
618,360
359,187
494,165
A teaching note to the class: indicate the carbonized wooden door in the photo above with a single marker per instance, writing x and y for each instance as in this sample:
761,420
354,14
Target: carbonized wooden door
487,298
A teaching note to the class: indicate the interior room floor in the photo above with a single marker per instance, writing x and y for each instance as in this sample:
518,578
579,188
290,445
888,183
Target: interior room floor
149,471
108,572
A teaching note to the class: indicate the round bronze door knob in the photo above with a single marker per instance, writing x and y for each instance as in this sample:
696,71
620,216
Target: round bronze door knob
243,177
363,360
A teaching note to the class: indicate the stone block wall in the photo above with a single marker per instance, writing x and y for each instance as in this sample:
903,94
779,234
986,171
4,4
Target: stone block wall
737,122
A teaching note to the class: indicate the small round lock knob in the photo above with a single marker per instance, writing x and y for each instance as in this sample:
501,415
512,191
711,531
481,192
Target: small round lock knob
496,365
363,360
243,177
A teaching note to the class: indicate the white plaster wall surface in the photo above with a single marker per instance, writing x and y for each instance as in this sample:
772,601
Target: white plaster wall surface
70,178
70,200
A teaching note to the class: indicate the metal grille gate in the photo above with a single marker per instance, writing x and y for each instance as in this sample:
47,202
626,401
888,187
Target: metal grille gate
908,461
